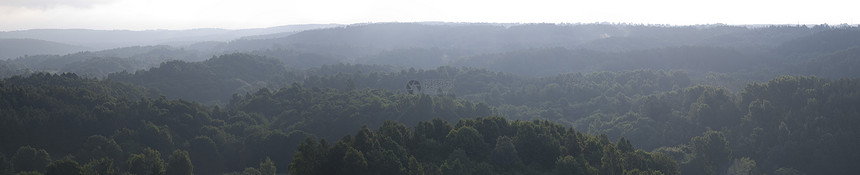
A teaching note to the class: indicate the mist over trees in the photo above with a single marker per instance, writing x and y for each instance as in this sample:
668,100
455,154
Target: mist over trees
525,49
489,99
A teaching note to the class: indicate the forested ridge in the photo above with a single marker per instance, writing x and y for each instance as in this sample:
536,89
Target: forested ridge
649,100
746,52
116,121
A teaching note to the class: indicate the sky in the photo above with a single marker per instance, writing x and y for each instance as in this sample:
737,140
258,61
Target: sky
241,14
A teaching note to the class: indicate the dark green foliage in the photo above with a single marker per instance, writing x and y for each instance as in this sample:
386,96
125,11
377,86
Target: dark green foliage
571,165
758,122
267,167
5,164
469,140
354,162
711,154
787,171
505,154
211,81
205,155
148,162
64,167
250,171
457,163
779,128
37,106
179,163
774,124
611,162
278,145
665,164
103,166
330,113
537,142
220,139
30,159
414,167
743,166
97,147
624,145
309,157
28,173
467,152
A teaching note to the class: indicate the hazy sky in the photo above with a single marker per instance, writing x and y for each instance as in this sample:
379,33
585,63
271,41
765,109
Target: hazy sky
235,14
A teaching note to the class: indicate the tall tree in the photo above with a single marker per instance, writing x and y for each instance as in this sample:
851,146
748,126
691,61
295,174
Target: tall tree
267,167
30,159
64,167
711,154
179,163
470,140
505,153
103,166
148,162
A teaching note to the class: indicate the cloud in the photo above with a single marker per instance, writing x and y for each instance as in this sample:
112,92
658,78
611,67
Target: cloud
46,4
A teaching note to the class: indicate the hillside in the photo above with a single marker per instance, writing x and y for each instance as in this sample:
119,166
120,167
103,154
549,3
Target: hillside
14,48
102,63
212,81
522,49
110,39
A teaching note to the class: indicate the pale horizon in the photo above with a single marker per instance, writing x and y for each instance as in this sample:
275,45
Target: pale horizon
247,14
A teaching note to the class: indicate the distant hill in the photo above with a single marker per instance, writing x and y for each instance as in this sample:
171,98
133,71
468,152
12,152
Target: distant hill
286,30
757,38
367,39
101,63
552,61
212,81
524,49
391,43
836,65
13,48
108,39
822,42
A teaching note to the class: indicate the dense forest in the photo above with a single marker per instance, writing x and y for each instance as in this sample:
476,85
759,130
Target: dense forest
449,98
